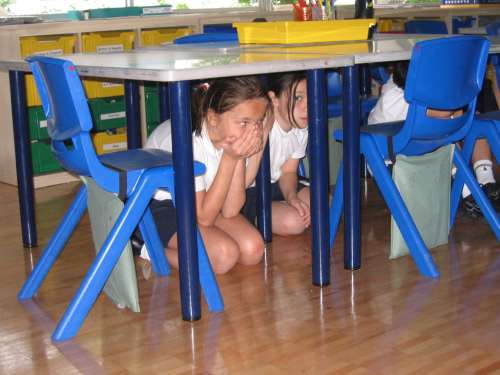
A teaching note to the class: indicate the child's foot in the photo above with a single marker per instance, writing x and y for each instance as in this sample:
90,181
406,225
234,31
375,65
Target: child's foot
471,208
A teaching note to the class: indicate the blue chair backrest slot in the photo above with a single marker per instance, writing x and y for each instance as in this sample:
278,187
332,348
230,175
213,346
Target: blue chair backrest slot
444,74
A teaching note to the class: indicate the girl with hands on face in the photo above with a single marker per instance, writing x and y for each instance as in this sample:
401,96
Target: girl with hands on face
287,145
227,117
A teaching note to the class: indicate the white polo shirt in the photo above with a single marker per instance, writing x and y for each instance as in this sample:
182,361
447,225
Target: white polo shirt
391,106
203,151
285,145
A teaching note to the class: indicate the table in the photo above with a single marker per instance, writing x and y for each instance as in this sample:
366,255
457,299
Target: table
177,67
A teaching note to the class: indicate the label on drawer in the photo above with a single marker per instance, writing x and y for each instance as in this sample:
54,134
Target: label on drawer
52,52
110,48
157,10
43,123
114,146
110,116
110,84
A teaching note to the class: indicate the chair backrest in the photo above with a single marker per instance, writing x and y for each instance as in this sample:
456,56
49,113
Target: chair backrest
444,74
493,29
334,84
68,116
426,27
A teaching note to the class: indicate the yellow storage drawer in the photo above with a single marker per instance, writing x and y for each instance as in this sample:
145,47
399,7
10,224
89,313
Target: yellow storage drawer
49,45
105,142
157,37
106,42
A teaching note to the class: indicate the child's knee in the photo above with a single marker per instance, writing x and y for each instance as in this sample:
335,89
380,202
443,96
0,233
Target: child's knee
292,225
251,249
225,256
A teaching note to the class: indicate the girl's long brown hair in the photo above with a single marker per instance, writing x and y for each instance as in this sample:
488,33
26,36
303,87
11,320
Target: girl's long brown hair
286,83
222,95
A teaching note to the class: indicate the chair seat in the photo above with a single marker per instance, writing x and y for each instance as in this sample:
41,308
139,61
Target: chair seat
137,159
381,131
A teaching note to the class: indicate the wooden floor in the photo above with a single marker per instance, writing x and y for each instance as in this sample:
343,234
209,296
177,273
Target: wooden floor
382,319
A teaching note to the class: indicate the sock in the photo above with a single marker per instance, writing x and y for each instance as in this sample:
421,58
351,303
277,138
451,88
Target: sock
484,172
465,192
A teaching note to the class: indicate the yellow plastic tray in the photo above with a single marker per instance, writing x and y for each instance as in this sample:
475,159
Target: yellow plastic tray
156,37
48,45
291,32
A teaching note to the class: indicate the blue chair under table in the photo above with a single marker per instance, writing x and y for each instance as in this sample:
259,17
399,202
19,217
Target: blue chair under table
444,74
426,27
334,91
487,126
133,175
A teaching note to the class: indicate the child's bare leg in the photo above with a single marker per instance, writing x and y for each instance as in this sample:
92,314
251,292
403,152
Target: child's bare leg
222,250
247,237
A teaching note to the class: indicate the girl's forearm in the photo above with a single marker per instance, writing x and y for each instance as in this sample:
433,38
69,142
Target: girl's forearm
236,195
216,195
288,185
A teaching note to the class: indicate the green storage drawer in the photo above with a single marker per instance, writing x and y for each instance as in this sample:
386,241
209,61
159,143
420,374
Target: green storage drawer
37,123
43,159
108,113
151,87
152,110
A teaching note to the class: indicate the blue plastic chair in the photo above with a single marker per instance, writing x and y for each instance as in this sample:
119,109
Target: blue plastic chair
443,74
208,37
334,91
134,175
485,125
426,27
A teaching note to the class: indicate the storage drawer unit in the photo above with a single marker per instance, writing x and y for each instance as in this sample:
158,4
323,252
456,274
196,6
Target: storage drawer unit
43,159
106,42
157,37
106,142
108,113
51,45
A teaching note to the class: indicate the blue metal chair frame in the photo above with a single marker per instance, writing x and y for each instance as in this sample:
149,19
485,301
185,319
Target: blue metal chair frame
134,175
486,125
432,83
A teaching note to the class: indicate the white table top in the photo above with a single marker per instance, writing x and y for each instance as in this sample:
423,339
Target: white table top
199,61
165,65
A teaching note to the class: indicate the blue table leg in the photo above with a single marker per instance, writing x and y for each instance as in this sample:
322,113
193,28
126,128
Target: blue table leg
263,183
132,108
24,167
318,152
164,102
351,118
185,199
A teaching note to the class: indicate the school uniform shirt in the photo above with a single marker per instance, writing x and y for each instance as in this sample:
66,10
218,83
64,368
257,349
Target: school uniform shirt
285,145
391,106
203,151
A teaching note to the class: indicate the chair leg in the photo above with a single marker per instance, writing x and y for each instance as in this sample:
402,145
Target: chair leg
336,206
101,268
153,244
411,235
208,281
458,182
56,244
478,194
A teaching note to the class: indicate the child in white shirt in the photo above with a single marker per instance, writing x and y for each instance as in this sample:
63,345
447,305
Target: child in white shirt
228,116
287,145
